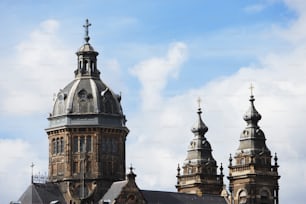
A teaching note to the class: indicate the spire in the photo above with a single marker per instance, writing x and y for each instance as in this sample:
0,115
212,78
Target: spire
199,127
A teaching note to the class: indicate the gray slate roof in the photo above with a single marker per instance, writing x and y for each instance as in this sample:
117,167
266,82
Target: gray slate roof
41,194
114,191
162,197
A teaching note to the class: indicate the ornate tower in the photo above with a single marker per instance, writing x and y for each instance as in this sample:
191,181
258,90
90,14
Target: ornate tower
253,179
86,133
199,174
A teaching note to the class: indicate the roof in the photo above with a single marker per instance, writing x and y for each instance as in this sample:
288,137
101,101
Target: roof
162,197
38,193
114,191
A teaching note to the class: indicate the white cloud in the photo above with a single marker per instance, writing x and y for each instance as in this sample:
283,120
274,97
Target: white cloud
162,135
40,60
255,8
15,171
154,73
160,132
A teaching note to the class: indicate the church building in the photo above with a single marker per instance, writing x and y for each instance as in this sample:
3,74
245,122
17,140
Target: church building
87,135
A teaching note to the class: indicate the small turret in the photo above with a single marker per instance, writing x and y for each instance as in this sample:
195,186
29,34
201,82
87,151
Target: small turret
252,177
199,173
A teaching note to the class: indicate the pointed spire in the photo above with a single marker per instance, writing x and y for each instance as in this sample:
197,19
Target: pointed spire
252,116
199,127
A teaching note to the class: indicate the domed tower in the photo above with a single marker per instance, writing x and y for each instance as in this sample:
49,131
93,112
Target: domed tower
253,179
199,174
86,133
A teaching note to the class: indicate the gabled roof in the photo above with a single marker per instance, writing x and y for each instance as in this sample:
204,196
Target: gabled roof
162,197
38,193
114,191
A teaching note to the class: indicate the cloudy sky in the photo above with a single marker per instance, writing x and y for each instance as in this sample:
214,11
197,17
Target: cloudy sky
162,56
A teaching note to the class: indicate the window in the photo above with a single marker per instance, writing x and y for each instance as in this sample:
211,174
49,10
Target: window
82,144
110,145
242,197
54,146
88,166
62,145
242,161
57,145
75,167
114,146
88,143
264,197
75,144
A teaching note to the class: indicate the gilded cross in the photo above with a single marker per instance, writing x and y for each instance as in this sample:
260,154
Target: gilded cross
86,26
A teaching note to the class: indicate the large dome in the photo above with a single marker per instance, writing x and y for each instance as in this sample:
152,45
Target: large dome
87,100
86,96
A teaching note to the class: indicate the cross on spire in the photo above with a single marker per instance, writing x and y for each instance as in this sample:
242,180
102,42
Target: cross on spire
86,26
32,176
252,89
199,102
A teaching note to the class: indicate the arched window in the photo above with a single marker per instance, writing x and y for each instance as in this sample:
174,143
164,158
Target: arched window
264,197
62,145
54,146
57,146
82,144
242,197
242,161
88,144
75,144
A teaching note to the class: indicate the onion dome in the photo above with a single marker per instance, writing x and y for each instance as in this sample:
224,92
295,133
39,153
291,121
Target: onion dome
199,127
252,116
87,99
199,150
252,138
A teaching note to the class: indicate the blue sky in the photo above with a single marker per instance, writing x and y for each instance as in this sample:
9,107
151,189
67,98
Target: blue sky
162,56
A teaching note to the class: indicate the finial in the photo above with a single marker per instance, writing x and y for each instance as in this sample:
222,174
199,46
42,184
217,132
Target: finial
221,169
32,176
252,89
178,170
275,159
131,168
131,175
199,102
199,105
230,160
87,24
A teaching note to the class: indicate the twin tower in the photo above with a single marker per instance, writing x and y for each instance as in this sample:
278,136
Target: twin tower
87,133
